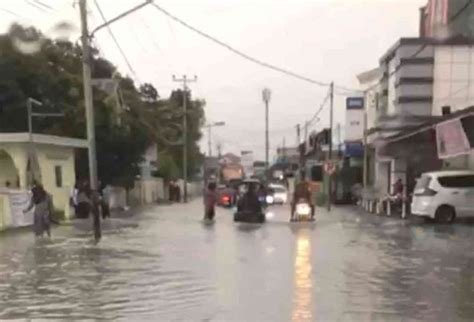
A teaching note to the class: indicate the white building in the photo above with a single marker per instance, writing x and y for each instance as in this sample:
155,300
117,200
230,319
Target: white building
418,79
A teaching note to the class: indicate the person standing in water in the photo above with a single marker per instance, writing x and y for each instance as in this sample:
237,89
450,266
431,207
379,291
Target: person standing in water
210,200
43,208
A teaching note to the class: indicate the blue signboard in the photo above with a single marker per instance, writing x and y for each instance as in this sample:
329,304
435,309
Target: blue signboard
355,103
354,149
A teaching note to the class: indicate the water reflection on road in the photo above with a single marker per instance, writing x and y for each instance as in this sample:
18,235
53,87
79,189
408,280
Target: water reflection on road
166,265
302,278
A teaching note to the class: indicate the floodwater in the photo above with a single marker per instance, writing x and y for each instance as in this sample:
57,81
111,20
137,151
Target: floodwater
165,264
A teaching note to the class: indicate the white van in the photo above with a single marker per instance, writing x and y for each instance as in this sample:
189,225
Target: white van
444,195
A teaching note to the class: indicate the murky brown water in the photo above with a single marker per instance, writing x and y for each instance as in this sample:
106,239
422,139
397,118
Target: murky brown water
166,265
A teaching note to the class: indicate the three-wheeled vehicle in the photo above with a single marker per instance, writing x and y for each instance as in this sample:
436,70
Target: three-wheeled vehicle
247,215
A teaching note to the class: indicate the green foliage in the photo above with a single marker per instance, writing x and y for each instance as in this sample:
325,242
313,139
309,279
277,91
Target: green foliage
126,124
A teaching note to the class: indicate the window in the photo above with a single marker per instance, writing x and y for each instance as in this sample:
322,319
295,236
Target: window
58,171
465,181
422,183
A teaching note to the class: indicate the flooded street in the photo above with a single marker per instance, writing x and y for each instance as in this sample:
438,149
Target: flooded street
165,264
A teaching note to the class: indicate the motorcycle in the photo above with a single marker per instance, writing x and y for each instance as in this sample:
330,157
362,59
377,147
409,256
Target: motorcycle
302,211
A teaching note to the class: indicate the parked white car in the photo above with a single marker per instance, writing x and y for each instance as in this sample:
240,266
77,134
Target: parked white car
280,193
444,195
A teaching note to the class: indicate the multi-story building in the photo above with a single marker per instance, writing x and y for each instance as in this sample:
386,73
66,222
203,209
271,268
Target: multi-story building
418,81
447,18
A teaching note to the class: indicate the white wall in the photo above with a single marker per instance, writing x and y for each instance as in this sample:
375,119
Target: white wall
381,176
391,108
453,78
372,106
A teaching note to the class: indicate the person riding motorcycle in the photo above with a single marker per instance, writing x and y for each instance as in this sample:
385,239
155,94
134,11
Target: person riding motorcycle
249,202
302,192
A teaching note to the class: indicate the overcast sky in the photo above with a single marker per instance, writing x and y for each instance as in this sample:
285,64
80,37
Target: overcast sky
327,40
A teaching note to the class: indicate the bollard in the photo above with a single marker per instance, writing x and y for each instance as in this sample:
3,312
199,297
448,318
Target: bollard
377,207
404,210
389,208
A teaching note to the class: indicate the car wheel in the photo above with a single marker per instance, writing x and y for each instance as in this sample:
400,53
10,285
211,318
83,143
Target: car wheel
445,215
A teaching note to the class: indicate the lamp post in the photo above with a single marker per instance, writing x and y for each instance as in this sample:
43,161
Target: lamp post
266,95
209,134
30,102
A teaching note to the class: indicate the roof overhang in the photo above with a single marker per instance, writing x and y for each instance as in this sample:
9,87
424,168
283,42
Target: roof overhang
43,139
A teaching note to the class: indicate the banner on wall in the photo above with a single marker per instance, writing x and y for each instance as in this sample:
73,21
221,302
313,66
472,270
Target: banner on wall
451,140
19,201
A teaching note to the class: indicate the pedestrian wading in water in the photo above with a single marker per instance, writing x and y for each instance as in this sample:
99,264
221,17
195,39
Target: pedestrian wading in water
43,209
210,200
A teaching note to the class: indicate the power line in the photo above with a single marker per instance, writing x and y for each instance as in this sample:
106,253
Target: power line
13,13
41,3
238,52
319,110
35,5
124,56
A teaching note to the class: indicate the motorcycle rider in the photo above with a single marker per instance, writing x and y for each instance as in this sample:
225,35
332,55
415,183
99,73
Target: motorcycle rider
302,192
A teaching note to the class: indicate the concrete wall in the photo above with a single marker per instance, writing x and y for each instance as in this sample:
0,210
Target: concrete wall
416,90
391,104
5,214
382,180
8,171
147,191
47,158
50,157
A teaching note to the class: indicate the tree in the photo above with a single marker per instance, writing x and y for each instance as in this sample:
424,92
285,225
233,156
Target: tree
149,93
52,74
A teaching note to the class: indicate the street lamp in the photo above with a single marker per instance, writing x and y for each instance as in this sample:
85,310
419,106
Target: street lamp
266,95
29,106
209,134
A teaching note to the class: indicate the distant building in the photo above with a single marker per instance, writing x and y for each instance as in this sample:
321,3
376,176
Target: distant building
230,158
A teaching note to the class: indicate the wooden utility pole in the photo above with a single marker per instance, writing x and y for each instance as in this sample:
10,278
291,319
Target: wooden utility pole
89,105
329,158
184,80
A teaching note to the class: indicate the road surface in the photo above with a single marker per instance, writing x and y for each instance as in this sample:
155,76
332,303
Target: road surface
165,264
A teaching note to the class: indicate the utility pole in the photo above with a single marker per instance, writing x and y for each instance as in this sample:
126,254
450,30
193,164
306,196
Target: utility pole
298,135
266,95
89,103
306,124
185,82
331,115
209,135
219,150
32,152
339,152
